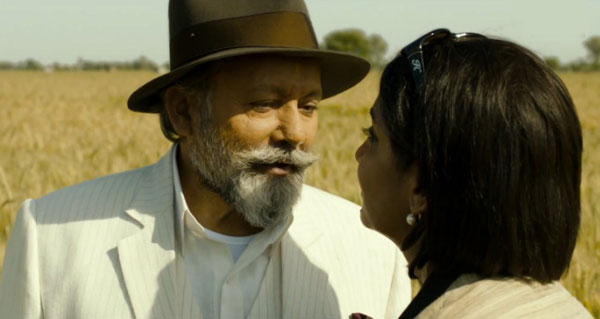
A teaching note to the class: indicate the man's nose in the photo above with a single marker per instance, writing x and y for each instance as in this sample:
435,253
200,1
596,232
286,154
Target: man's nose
291,125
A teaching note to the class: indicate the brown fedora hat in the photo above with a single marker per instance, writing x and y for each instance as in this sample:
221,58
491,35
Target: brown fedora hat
208,30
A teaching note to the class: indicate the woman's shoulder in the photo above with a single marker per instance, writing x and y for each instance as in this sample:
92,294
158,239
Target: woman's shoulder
473,297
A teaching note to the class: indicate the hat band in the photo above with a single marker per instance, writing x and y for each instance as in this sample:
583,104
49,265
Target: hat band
276,29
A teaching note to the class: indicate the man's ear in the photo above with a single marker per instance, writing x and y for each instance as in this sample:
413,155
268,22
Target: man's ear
417,200
179,110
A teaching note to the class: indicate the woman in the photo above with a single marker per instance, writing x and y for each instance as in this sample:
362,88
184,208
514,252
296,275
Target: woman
472,167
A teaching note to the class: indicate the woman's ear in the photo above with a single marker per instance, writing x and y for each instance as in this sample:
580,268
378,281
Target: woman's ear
417,201
179,111
418,204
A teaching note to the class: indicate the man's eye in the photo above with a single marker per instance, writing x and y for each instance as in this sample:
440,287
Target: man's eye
263,106
310,107
370,133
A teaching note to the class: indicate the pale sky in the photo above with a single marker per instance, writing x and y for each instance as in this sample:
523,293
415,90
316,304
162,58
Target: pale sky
63,30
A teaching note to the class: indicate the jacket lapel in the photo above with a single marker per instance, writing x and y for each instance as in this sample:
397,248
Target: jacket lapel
307,292
147,257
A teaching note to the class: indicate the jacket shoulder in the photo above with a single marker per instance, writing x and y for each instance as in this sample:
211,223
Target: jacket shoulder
321,199
359,260
474,297
340,218
100,196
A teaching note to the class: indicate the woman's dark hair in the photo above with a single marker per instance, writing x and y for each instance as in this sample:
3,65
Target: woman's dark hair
498,144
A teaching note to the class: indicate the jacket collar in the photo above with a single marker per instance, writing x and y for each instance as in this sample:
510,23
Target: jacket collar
147,258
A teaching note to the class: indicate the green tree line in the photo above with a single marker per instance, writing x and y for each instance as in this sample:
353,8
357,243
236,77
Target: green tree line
140,64
590,63
371,47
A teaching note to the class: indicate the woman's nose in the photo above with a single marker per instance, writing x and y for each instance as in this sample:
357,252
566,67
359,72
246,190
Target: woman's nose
359,152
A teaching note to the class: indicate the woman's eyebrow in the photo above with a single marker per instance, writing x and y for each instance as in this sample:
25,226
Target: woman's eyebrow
372,113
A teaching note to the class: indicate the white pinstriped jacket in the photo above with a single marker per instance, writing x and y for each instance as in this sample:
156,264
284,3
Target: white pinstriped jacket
106,249
472,297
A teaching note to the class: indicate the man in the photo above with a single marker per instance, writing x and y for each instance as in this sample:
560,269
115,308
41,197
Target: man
221,227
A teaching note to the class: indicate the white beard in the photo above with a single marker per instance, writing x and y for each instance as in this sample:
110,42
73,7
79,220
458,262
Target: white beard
230,171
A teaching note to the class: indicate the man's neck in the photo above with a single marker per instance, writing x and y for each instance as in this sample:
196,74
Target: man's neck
209,209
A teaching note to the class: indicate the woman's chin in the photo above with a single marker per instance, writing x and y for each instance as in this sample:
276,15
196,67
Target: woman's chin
364,218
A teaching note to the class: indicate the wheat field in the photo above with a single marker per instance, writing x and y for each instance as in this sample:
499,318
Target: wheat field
57,129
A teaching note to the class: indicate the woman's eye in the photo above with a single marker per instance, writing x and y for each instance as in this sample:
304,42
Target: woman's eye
370,133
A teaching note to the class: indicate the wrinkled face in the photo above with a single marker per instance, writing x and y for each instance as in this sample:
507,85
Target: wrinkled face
386,187
254,149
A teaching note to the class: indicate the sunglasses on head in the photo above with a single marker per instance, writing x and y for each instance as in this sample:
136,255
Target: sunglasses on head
414,52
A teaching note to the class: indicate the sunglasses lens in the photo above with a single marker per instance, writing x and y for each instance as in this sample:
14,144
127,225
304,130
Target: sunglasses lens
434,37
414,54
468,35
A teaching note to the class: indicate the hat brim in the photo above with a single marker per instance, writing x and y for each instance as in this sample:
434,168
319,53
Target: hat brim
339,72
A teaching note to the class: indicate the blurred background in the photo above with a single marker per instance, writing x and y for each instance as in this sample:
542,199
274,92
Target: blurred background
67,68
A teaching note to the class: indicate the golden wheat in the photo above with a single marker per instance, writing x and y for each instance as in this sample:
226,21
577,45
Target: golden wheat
59,129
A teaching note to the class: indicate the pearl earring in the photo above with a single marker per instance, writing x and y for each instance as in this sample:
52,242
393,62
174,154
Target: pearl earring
411,219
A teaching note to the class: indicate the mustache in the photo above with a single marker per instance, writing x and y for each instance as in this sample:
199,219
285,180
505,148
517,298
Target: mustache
270,155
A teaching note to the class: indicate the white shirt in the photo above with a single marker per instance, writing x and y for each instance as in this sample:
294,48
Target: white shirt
226,272
237,244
